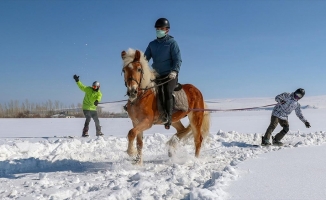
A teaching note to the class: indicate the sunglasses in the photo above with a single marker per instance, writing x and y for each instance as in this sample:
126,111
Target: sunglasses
95,87
297,96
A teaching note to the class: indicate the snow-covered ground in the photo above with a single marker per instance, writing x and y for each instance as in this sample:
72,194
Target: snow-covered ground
39,161
293,173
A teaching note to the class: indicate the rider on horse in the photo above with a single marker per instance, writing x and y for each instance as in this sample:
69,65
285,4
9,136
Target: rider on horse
166,62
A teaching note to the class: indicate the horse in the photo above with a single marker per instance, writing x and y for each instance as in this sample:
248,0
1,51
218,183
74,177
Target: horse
142,107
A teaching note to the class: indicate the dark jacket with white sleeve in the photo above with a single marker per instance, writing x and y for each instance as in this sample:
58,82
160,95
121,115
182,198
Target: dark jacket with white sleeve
286,104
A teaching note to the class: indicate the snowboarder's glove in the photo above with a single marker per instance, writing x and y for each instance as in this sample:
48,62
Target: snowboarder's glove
76,78
307,124
283,102
173,75
96,103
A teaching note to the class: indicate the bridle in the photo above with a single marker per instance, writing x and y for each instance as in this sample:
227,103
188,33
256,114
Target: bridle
131,78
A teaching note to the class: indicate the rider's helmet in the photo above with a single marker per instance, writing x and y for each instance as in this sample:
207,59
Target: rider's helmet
96,85
162,22
299,93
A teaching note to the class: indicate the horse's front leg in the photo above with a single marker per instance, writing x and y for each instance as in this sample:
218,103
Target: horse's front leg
137,131
139,158
131,137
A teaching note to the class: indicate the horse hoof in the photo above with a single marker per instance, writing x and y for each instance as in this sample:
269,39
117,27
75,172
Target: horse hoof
137,160
171,152
131,153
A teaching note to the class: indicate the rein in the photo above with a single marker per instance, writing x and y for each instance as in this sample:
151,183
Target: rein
157,84
138,83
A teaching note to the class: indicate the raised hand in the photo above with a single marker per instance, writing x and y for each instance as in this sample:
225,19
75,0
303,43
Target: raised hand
76,78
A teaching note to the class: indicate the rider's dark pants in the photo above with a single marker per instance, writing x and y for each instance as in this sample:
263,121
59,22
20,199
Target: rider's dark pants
167,98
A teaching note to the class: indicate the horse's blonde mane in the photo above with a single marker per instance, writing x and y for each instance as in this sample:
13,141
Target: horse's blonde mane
148,73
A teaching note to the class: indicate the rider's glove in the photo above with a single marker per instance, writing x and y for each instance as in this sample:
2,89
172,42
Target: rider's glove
307,124
76,78
173,75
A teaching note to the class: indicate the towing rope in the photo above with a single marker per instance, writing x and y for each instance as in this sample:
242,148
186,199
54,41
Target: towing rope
113,101
207,109
236,109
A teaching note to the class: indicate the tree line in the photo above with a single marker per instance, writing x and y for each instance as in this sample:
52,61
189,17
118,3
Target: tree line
48,109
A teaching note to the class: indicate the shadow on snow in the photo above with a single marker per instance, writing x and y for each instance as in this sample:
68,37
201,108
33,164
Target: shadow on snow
237,144
8,169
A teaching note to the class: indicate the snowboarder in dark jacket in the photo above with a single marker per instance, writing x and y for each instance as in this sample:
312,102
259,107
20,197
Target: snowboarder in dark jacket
287,102
166,56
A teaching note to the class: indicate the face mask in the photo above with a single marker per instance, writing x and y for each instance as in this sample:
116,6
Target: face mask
160,33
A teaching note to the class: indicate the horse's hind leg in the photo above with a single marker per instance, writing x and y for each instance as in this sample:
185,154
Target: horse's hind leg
181,130
181,133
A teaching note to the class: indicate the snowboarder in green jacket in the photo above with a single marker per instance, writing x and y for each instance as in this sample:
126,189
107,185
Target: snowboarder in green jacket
92,97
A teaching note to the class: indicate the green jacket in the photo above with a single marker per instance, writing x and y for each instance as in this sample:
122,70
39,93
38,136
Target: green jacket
90,96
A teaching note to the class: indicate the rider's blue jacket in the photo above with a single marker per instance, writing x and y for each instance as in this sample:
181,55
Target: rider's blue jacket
166,55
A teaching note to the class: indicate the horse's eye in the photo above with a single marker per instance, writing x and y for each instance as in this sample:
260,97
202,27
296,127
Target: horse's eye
139,70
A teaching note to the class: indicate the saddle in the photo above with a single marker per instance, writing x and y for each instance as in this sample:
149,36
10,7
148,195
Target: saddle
180,99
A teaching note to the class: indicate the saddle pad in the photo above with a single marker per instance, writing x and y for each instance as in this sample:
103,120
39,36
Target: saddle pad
180,103
180,100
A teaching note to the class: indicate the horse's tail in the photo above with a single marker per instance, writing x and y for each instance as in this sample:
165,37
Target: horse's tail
206,122
204,127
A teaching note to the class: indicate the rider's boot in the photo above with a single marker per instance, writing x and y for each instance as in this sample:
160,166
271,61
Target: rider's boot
162,105
169,109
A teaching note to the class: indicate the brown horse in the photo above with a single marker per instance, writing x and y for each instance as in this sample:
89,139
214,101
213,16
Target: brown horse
142,106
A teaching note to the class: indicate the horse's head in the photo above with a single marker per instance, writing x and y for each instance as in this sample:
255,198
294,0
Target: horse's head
137,74
133,73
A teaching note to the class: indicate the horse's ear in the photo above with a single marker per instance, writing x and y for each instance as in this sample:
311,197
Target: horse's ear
137,55
123,54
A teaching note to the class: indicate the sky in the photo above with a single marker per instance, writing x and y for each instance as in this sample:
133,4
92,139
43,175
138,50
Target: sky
229,49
